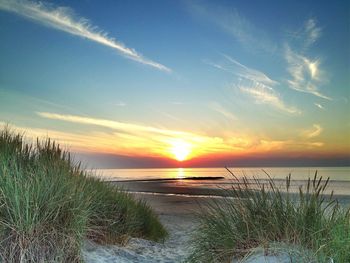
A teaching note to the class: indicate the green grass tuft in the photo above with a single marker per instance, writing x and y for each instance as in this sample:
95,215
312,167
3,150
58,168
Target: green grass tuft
48,205
256,213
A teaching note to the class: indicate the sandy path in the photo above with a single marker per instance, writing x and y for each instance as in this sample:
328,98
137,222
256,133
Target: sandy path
176,213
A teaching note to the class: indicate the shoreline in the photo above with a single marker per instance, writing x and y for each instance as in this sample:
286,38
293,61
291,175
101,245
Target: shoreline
193,178
182,188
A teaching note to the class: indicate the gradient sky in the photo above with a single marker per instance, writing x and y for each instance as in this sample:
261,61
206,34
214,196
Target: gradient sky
143,83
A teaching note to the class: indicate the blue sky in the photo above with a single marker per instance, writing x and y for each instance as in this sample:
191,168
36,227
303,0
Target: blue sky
221,78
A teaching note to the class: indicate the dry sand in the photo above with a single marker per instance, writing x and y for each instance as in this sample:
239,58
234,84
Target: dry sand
176,213
176,204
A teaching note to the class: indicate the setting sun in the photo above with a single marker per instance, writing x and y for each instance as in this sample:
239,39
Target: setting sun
180,149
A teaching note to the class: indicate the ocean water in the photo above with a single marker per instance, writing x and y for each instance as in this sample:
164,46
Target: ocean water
339,176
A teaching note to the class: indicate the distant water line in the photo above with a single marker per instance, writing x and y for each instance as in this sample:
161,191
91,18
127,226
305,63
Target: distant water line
339,176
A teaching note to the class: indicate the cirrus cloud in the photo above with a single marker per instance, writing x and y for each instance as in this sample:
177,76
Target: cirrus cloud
305,73
264,94
63,19
312,132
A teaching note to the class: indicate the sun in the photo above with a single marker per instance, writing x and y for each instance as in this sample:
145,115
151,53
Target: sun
180,149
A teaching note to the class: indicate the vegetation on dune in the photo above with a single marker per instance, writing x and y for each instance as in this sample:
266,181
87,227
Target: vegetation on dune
310,226
115,215
48,205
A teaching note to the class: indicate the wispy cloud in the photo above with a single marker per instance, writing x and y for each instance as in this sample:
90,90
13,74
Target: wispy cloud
128,136
319,106
312,31
120,104
312,132
122,126
249,73
169,116
307,34
266,95
215,65
62,18
292,145
215,106
129,142
306,74
254,83
235,24
233,66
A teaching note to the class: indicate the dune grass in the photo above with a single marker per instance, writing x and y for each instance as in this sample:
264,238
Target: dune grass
48,205
256,213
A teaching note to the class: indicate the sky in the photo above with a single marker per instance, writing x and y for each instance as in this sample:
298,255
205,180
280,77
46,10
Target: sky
131,84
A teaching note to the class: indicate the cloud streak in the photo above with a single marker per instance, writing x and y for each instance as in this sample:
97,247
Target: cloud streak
266,95
139,140
120,104
235,24
308,34
62,18
249,73
131,138
305,73
254,83
215,106
121,126
318,105
315,131
312,32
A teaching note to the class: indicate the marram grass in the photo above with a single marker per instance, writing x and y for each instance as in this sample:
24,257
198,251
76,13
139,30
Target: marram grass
48,205
310,226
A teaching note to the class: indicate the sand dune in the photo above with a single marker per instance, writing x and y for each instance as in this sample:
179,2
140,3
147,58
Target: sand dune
174,249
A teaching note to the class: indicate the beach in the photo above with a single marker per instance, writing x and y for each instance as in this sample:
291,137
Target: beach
176,202
177,213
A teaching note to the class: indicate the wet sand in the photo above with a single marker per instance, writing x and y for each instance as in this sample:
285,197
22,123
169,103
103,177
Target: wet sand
184,193
187,186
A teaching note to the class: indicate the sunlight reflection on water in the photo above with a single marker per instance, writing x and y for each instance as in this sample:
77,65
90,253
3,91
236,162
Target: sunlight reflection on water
339,176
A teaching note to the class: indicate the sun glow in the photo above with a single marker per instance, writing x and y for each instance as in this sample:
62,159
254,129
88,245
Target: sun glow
180,149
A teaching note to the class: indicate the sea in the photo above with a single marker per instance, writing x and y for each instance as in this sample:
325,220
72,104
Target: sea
339,177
